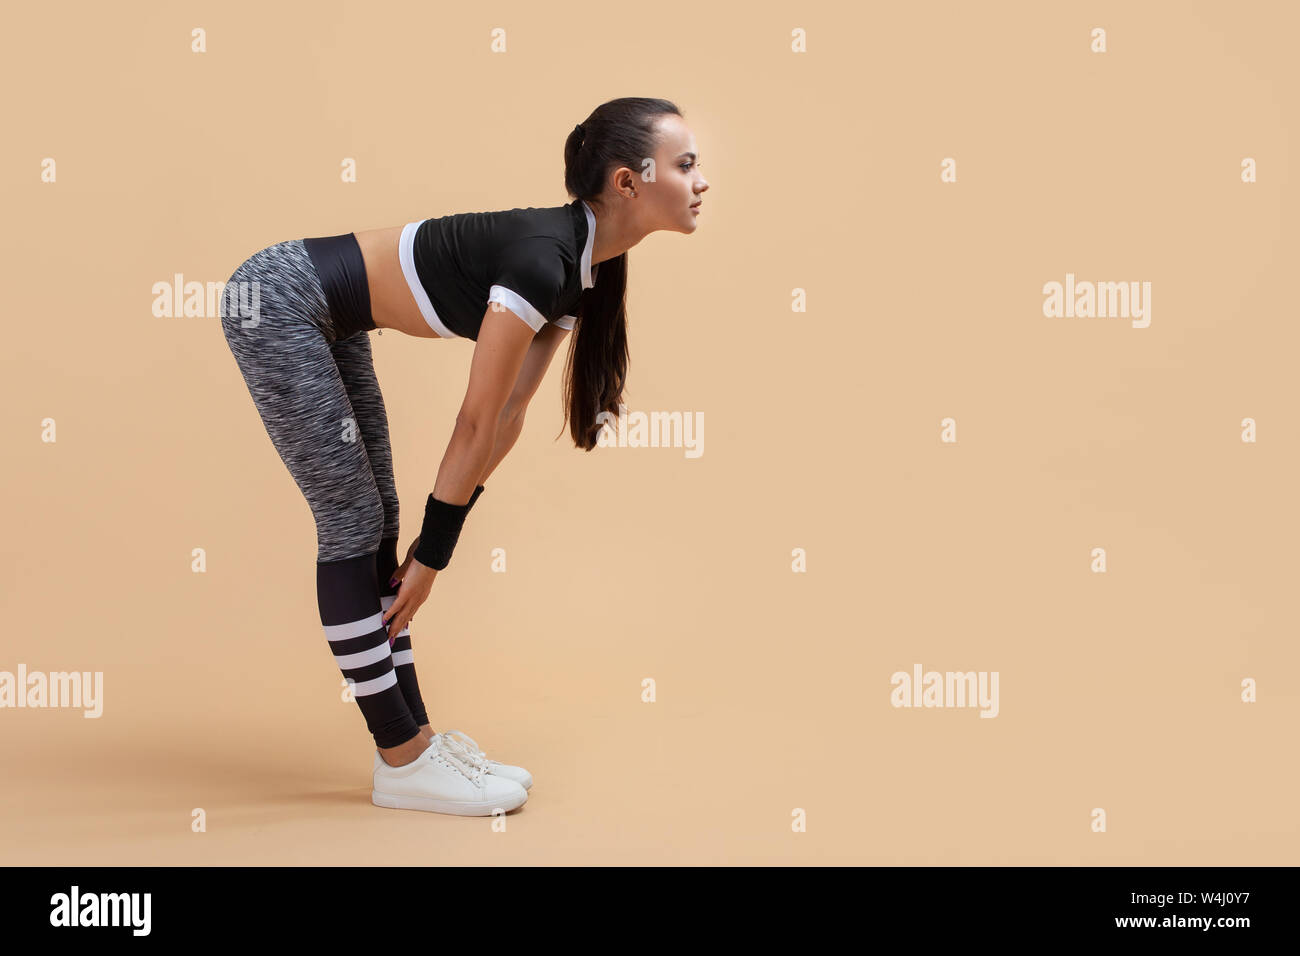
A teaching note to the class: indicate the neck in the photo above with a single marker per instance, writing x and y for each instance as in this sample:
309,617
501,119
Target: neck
616,232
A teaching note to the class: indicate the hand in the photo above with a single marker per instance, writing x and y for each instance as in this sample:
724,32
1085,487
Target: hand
401,571
416,582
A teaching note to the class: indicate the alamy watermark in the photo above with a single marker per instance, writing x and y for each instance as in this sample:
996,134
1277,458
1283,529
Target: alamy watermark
652,430
102,909
84,689
215,300
1102,300
946,689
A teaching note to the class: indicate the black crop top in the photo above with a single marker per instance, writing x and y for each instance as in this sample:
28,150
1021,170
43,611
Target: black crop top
536,262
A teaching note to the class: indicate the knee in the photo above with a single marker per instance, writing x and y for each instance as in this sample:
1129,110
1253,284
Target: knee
352,531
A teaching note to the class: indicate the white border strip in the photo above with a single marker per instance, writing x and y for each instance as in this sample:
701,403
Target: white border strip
405,252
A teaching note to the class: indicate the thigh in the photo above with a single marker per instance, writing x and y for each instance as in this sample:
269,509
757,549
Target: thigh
356,367
300,395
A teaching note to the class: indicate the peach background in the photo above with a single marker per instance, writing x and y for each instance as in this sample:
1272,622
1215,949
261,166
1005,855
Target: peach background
1118,691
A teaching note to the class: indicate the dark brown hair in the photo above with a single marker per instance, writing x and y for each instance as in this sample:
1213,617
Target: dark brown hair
618,133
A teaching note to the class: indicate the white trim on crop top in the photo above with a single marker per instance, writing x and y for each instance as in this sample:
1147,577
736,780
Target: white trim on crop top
406,255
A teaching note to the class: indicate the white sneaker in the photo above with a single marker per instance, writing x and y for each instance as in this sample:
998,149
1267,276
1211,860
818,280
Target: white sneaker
472,754
442,780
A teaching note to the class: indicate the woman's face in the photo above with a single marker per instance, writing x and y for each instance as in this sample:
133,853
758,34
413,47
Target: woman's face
669,202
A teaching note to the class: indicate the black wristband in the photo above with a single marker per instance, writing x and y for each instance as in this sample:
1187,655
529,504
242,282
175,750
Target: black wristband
442,525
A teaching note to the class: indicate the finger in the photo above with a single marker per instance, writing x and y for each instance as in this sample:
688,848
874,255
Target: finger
399,625
393,611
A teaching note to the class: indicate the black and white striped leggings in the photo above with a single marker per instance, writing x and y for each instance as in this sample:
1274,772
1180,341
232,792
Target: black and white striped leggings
304,354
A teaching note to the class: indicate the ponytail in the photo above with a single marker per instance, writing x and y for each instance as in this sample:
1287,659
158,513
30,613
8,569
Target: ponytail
618,133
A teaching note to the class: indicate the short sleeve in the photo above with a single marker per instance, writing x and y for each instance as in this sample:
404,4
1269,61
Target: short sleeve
530,280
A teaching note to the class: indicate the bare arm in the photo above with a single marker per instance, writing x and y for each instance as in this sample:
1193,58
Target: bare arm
508,364
507,434
511,424
503,344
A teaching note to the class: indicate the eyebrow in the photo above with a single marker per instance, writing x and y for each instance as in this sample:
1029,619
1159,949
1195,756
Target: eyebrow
692,155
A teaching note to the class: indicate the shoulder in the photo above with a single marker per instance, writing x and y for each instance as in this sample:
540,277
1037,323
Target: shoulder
531,278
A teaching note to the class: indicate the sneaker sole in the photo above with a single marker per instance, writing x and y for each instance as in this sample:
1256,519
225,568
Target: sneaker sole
479,808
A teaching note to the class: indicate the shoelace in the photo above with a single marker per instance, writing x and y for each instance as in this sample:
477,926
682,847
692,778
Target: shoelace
468,747
460,757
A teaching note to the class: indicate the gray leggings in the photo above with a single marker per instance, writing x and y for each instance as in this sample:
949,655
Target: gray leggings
315,389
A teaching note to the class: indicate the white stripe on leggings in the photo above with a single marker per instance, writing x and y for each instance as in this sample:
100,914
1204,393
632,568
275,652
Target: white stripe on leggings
367,687
371,655
341,632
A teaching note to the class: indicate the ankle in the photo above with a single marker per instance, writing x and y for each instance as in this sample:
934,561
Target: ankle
404,753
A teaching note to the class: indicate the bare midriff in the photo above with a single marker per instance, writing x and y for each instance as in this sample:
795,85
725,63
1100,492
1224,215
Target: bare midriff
391,304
